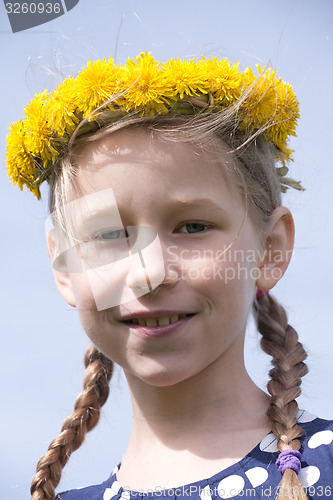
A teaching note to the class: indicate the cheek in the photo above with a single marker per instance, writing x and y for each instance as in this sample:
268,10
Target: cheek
96,324
100,329
86,306
83,294
225,272
225,279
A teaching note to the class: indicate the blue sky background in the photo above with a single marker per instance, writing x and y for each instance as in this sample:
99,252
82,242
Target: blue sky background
42,343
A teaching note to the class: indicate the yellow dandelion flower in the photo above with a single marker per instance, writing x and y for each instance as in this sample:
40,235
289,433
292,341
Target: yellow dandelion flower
259,105
147,86
61,107
187,77
96,84
284,121
284,154
224,80
21,167
38,133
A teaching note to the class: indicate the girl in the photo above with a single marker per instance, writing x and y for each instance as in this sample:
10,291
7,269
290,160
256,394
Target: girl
166,228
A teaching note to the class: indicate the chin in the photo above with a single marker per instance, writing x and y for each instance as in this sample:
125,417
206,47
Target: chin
159,376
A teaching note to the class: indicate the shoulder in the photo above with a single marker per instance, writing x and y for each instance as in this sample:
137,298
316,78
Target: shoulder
94,492
317,431
317,455
318,436
258,470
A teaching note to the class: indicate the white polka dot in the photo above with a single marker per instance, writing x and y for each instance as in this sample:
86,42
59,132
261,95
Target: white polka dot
309,475
230,486
111,492
305,416
126,495
257,476
322,437
115,486
108,494
269,443
115,470
205,494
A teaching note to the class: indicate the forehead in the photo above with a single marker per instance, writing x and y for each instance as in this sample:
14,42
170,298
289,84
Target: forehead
123,158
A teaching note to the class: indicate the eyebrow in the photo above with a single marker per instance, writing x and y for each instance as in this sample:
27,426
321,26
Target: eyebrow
191,203
90,217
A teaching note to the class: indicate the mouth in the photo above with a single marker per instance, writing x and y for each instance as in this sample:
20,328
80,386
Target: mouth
157,321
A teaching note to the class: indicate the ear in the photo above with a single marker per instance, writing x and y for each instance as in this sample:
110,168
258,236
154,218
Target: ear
277,249
62,279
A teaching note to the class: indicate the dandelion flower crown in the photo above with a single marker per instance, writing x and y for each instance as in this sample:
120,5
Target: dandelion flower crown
143,86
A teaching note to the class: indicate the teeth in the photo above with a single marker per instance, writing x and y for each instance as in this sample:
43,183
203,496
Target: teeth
161,321
164,320
151,322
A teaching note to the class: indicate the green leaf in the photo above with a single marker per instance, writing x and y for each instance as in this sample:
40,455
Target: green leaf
288,182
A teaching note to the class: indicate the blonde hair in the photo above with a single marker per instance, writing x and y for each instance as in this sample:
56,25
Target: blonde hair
256,172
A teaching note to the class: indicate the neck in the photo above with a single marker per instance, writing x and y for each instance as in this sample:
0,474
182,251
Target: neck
220,400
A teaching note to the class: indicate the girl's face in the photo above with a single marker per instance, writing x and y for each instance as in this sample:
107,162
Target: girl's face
188,199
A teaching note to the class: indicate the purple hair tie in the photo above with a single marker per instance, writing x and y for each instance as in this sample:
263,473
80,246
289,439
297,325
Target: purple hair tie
261,293
289,459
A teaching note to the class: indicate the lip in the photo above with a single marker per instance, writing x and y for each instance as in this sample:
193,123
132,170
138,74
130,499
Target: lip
153,332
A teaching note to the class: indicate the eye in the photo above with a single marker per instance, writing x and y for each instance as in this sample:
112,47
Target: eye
111,234
192,227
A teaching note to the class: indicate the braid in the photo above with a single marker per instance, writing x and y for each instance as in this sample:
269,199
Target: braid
84,417
280,341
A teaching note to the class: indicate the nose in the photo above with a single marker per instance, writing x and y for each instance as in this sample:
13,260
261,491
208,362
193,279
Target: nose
149,268
137,279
